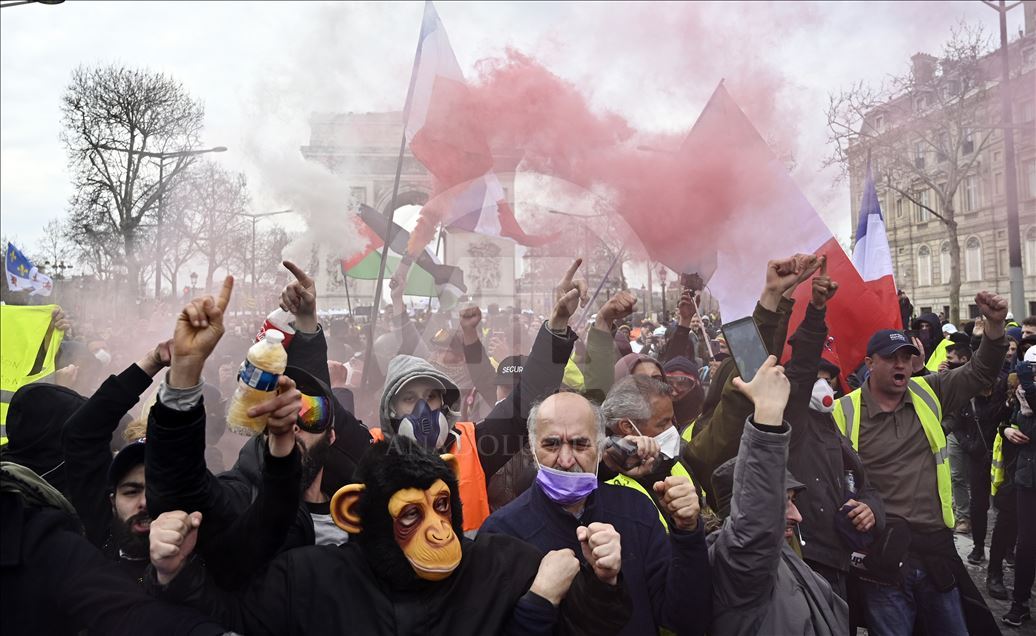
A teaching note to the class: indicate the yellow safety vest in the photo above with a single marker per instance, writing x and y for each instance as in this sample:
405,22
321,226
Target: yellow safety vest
929,411
938,356
997,474
622,480
22,329
688,433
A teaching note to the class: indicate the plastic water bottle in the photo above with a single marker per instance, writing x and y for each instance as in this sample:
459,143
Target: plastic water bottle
256,382
281,321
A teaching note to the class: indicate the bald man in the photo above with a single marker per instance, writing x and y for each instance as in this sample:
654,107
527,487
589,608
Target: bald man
667,575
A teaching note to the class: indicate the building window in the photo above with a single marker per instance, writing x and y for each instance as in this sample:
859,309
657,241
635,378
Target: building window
942,149
879,123
1002,266
944,263
1029,178
997,156
358,194
1025,111
970,199
973,260
1030,250
919,103
919,155
922,214
998,184
968,143
899,208
924,267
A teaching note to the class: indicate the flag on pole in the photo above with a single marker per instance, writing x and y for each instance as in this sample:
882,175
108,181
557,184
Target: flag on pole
871,254
446,135
22,275
755,212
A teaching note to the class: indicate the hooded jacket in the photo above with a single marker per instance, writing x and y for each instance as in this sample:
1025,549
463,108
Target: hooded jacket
628,363
505,425
760,586
35,427
934,334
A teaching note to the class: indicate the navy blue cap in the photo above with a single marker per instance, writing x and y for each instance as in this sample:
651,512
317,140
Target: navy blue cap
125,460
888,341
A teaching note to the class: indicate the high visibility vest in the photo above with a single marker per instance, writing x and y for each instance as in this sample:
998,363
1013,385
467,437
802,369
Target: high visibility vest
472,479
938,356
997,474
22,329
622,480
929,411
688,433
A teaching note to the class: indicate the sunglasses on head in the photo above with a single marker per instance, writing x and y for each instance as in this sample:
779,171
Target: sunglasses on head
315,414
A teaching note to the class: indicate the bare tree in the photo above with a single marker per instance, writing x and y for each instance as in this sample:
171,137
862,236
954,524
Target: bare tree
180,227
112,116
213,200
54,248
926,130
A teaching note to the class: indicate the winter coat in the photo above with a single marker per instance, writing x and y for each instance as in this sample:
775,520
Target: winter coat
54,582
718,431
760,585
667,575
336,589
819,455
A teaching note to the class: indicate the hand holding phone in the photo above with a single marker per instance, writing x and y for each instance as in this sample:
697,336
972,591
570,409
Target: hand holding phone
746,346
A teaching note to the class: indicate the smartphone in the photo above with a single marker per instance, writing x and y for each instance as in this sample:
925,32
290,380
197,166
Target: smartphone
746,346
622,451
692,282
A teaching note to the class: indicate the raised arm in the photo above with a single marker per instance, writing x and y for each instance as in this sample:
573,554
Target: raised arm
542,375
747,552
87,440
482,374
599,371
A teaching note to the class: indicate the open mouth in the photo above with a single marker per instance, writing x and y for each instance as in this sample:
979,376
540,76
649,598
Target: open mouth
142,527
899,378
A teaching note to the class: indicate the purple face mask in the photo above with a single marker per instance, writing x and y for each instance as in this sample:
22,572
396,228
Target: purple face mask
564,487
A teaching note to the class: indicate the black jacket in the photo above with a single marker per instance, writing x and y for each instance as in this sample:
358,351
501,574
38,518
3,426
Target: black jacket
248,515
335,589
54,582
87,446
819,455
975,424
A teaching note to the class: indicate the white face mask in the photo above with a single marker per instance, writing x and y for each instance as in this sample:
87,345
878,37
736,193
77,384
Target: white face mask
823,398
668,441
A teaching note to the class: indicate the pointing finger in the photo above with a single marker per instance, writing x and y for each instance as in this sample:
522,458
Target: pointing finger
297,272
823,265
224,293
571,271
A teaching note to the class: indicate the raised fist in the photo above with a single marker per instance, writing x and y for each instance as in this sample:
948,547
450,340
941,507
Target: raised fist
680,499
557,570
173,537
602,549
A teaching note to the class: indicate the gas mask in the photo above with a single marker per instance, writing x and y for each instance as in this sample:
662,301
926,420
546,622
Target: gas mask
429,428
823,397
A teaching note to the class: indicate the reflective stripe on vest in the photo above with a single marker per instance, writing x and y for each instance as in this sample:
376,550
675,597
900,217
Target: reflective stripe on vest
622,480
847,414
996,470
472,479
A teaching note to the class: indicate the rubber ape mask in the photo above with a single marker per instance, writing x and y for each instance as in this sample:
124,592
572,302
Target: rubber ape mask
405,513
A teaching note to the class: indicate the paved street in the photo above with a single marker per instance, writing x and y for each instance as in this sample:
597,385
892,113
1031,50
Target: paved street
978,574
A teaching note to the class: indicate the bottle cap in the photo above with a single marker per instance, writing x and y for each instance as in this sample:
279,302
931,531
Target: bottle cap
274,336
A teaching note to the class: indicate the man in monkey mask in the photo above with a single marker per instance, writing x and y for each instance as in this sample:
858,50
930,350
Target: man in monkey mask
408,571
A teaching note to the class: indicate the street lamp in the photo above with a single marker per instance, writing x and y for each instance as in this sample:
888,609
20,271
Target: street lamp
194,282
60,267
161,156
662,274
255,219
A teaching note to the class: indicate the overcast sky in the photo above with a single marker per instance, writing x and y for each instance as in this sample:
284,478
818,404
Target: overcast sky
261,68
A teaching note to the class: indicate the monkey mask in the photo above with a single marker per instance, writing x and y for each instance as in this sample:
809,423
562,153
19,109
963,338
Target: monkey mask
405,512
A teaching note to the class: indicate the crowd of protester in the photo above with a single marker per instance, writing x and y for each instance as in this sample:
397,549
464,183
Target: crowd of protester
487,470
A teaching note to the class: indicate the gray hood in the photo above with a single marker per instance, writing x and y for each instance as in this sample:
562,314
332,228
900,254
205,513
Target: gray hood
402,369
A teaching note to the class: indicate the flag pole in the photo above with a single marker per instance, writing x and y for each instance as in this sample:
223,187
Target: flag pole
391,215
600,286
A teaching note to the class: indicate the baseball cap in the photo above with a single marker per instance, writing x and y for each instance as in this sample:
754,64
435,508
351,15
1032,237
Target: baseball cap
949,328
888,341
509,372
318,402
131,455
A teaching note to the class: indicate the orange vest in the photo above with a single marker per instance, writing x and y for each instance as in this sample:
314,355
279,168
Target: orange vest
472,479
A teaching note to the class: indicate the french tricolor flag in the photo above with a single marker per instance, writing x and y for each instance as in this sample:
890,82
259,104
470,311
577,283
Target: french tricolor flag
871,254
446,135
